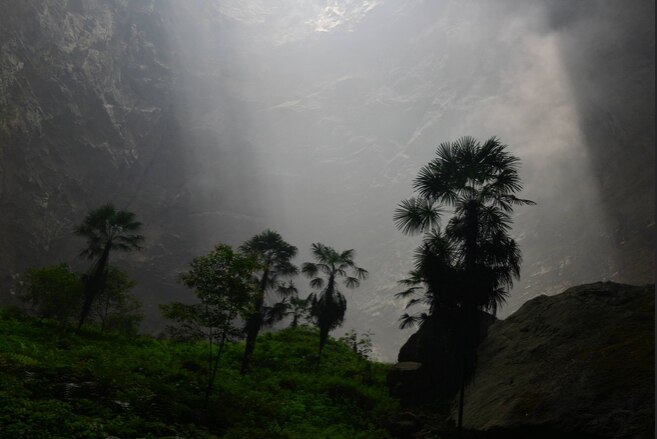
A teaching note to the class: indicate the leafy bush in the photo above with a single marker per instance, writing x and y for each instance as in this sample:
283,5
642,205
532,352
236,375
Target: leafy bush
52,292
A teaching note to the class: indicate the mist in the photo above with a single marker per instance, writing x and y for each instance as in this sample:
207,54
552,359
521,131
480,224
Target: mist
215,120
312,118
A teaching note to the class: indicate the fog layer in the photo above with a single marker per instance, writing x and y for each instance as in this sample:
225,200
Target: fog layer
216,119
312,118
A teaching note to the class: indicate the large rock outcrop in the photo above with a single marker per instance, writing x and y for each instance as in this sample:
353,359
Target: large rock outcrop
579,363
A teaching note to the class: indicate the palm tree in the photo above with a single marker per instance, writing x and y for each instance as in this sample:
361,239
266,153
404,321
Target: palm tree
105,229
479,183
471,265
328,306
433,280
298,309
273,255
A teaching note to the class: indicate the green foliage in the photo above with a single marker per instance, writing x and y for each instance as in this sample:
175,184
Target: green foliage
116,308
224,284
53,292
362,345
298,309
97,385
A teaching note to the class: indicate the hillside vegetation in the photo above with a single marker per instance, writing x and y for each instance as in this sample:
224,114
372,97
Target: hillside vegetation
54,383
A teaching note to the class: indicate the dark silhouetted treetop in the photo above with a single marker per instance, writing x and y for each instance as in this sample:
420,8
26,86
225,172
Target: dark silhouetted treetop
468,267
273,256
328,306
479,183
105,229
463,171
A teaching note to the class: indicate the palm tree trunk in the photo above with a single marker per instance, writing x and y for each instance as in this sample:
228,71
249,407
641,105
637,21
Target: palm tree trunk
467,320
253,323
472,224
94,285
323,336
459,429
472,232
105,313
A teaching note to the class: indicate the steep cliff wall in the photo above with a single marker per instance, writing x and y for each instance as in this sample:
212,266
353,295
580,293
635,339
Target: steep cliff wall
87,100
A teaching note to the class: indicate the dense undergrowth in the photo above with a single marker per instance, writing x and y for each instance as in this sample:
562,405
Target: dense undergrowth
54,383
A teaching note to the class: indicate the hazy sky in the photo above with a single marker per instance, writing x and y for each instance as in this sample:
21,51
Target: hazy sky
313,117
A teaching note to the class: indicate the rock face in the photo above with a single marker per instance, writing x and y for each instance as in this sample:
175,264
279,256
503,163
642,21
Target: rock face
93,109
86,117
581,363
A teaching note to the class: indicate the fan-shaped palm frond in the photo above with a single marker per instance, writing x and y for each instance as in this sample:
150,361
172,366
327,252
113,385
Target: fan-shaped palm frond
274,256
105,229
416,215
328,305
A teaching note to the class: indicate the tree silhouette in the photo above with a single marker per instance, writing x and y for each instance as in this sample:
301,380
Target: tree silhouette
469,266
223,282
328,306
105,229
273,255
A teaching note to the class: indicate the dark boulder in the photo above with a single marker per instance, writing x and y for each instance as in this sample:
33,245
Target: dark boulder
433,346
406,382
579,363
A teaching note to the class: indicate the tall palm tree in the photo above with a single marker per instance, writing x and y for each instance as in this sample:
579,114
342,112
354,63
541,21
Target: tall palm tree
475,261
328,306
478,182
273,255
105,229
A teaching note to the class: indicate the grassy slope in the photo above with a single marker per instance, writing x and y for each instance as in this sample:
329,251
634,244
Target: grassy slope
56,384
